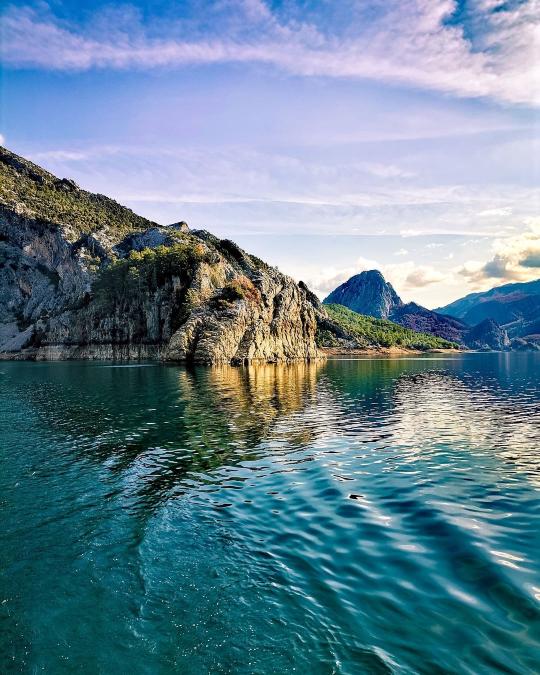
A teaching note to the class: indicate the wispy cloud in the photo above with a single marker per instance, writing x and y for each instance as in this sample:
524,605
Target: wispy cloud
419,43
287,191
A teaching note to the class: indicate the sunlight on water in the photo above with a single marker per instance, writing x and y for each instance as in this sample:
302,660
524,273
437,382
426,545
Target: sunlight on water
354,516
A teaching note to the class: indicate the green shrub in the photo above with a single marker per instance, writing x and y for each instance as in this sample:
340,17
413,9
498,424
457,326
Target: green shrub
147,270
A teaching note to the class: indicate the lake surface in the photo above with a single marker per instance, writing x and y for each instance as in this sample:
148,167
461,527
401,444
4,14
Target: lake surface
355,516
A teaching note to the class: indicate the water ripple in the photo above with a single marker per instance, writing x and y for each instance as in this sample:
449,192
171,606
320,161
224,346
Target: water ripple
343,517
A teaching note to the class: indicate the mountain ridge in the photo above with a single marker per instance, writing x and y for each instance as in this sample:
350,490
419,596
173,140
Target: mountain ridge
377,298
514,306
459,307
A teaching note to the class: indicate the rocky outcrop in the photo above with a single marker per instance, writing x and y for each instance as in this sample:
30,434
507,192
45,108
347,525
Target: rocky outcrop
488,335
82,277
366,293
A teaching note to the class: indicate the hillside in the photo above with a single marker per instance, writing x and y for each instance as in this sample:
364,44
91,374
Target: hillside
369,332
30,191
370,294
83,277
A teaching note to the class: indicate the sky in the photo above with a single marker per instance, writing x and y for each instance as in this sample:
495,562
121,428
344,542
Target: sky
325,137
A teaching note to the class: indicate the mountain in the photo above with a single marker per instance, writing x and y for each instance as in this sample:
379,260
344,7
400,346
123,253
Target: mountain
419,318
505,296
366,293
370,294
346,328
514,306
487,335
83,277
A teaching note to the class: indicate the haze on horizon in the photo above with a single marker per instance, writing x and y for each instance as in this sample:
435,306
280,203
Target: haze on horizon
327,138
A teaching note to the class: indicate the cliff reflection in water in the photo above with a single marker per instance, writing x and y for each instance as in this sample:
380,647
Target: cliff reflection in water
248,402
229,416
171,428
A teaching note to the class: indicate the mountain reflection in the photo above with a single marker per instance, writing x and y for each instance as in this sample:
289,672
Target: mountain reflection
229,416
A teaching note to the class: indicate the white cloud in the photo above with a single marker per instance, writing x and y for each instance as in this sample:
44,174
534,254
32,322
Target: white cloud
388,171
406,277
401,252
414,43
2,139
495,213
423,276
515,258
62,156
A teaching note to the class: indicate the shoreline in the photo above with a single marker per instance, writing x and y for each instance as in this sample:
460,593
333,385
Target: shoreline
384,351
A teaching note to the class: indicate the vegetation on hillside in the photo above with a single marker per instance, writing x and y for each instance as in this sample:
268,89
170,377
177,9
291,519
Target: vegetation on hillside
239,288
370,332
147,270
30,190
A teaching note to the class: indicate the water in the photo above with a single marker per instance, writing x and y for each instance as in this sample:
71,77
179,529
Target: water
356,516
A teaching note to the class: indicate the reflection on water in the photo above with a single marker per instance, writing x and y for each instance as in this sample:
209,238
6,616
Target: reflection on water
350,516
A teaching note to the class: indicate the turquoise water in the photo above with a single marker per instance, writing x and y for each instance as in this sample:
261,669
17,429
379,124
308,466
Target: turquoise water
357,516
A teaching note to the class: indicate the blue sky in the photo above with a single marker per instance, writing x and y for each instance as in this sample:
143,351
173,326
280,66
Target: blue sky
326,137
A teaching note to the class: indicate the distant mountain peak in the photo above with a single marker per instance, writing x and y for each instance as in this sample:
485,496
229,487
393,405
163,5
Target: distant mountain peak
515,307
366,293
369,293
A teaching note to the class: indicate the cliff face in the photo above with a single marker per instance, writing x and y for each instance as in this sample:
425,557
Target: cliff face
366,293
83,277
488,335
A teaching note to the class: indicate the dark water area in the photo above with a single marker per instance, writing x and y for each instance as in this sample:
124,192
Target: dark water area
354,516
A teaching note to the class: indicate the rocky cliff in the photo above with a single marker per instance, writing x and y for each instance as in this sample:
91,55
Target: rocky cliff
83,277
366,293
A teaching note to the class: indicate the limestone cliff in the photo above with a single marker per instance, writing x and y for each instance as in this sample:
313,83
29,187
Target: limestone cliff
83,277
